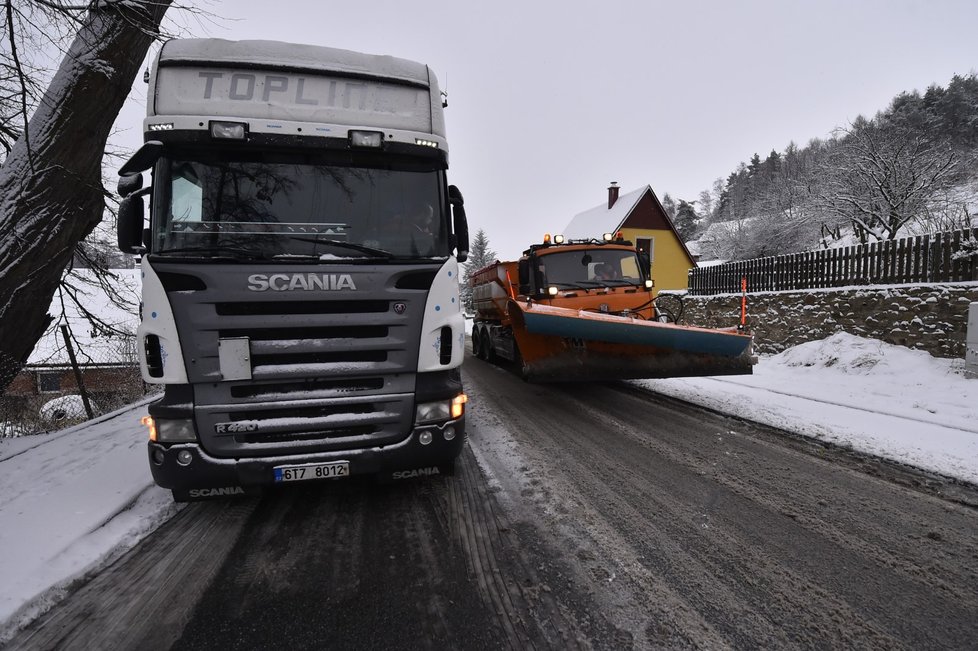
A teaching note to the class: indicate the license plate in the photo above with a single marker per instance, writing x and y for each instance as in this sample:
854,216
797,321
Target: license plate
332,470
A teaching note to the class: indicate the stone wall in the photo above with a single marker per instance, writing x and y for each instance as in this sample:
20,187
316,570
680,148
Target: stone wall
928,317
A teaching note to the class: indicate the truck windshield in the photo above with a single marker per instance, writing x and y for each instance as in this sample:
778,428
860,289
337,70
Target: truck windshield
262,210
590,267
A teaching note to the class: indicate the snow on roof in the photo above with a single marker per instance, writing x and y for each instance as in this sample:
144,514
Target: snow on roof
601,219
91,344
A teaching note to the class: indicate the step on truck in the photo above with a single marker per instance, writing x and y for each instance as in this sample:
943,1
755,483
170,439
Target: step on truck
300,301
585,310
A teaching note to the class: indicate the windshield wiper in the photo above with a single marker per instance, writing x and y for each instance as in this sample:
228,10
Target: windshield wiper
219,251
369,250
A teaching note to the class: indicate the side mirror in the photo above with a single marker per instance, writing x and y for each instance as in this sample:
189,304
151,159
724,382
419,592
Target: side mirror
459,224
645,261
130,223
524,267
129,184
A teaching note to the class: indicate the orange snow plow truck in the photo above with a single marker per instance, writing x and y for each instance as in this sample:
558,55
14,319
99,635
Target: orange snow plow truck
584,310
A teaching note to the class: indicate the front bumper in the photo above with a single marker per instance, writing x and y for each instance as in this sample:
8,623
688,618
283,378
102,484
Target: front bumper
208,472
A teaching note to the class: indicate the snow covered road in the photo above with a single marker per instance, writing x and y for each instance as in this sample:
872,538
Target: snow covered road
72,501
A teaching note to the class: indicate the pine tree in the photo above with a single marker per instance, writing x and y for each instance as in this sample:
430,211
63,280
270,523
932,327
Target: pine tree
480,255
669,205
685,220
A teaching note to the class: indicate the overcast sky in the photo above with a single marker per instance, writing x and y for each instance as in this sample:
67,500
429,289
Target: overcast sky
550,101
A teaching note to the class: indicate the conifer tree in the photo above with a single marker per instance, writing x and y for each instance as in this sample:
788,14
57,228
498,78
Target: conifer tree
480,255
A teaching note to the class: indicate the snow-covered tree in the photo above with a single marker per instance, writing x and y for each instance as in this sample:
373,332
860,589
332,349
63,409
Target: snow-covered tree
479,256
685,220
669,205
51,191
881,176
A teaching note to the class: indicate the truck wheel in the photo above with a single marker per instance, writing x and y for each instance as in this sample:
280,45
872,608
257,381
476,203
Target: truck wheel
488,353
477,343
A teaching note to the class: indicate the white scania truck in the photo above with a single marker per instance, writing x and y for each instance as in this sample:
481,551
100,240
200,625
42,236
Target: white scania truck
300,267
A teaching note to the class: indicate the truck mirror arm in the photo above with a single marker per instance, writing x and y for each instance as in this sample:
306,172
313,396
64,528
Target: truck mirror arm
129,184
144,158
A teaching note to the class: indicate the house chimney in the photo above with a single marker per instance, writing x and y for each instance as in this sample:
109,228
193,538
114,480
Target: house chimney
612,194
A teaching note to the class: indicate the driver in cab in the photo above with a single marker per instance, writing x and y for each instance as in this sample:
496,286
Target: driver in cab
604,271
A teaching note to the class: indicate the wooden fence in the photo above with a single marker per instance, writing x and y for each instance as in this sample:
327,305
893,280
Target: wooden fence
922,259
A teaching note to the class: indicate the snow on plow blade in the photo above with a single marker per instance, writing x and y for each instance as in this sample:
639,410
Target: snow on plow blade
565,345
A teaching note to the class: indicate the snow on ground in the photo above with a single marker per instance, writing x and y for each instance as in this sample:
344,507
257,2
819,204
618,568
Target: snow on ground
72,501
885,400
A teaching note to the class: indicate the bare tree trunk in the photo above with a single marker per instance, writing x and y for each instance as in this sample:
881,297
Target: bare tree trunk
51,195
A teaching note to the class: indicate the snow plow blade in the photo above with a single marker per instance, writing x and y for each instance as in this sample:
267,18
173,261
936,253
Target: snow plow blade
565,345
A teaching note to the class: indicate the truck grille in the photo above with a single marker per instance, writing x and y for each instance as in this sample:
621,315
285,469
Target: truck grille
277,308
329,369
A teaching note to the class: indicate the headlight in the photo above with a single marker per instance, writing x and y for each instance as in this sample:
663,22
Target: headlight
175,431
431,412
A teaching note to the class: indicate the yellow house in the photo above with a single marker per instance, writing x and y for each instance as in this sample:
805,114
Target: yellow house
640,218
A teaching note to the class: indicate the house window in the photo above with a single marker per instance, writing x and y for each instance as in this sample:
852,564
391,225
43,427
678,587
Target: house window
49,381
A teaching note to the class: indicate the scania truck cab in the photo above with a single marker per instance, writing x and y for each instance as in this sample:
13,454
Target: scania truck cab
300,269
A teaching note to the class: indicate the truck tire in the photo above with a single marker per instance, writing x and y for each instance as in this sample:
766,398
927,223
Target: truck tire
477,342
488,353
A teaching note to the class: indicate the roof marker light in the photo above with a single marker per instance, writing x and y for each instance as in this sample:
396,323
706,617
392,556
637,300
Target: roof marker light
426,143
